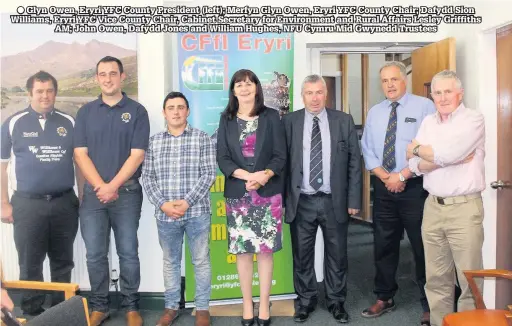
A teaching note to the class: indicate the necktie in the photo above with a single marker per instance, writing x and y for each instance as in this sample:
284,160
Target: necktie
315,155
388,157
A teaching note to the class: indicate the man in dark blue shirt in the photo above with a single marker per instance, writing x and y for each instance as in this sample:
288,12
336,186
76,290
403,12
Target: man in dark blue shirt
37,147
111,136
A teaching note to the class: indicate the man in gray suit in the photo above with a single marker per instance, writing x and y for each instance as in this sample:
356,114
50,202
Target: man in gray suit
323,188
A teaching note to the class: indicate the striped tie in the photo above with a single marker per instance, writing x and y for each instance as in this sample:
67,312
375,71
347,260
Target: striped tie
315,162
388,157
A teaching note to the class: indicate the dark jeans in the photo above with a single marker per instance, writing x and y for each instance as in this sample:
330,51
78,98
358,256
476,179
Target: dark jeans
313,212
392,212
96,221
44,227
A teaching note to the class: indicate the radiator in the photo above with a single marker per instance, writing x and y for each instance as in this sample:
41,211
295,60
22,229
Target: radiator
9,258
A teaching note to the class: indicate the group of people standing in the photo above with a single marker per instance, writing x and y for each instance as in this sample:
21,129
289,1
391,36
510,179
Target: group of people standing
428,165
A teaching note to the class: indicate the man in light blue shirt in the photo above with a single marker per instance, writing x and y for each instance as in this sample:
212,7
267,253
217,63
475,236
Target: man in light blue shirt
398,195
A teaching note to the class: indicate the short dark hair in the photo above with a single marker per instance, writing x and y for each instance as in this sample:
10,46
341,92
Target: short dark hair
232,107
111,59
41,76
172,95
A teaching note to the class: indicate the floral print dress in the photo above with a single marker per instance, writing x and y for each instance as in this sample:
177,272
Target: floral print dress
254,222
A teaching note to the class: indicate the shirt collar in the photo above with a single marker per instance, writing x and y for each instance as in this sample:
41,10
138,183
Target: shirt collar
120,104
188,128
321,116
458,110
39,115
402,101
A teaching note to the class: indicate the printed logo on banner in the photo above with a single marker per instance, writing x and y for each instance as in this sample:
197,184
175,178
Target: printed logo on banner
126,117
204,72
62,131
206,63
33,149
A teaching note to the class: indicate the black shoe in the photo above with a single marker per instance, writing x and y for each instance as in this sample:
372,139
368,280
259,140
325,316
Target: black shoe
339,313
264,322
302,314
248,322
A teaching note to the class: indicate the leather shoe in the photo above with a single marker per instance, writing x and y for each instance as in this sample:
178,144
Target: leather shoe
97,318
425,319
133,318
339,313
248,322
379,308
263,322
202,318
168,317
302,314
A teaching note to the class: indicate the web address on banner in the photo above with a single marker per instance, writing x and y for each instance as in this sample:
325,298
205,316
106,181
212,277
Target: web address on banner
226,285
231,285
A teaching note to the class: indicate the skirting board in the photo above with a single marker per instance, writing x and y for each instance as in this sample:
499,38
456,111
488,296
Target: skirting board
277,308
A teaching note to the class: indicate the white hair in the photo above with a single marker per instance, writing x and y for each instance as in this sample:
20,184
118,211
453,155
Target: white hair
397,64
446,74
313,79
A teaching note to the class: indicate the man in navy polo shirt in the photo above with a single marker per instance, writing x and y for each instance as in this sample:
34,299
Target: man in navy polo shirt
111,136
38,144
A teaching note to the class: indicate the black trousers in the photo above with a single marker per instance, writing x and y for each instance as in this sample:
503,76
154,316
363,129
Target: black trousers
44,227
392,213
312,212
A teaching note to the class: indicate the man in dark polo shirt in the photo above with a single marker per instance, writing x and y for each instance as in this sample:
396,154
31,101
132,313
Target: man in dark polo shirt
38,144
111,136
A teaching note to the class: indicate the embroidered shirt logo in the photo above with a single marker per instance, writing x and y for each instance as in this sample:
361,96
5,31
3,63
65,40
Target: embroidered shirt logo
62,131
33,149
126,117
31,134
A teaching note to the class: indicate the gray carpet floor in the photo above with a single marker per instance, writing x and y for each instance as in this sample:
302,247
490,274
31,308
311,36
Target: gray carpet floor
360,291
360,295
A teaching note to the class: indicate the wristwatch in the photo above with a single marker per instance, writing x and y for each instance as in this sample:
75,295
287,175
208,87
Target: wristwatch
268,171
416,150
401,176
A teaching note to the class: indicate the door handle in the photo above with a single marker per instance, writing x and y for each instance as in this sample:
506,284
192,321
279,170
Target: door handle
500,184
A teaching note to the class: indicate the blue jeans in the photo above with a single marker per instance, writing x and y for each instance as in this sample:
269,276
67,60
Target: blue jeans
96,220
170,235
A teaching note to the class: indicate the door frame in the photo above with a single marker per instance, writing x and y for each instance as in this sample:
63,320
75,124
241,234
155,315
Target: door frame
337,85
313,57
487,102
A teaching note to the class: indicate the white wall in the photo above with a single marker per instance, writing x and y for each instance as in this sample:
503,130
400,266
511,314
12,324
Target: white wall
476,66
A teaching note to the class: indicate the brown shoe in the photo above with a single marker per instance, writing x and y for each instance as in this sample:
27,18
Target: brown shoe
97,318
202,318
379,308
425,319
133,318
168,317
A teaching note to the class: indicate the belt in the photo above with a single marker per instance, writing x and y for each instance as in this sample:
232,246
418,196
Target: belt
48,197
317,194
130,182
455,199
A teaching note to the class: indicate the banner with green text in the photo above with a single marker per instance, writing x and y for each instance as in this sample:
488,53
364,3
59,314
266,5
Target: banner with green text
206,63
